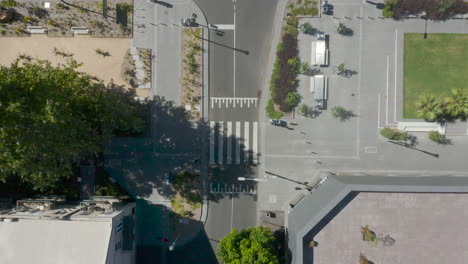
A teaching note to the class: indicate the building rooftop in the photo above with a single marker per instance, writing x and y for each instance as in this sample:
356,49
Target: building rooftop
306,219
425,227
44,241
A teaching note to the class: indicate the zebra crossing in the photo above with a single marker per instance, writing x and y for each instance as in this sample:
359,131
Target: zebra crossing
233,102
233,142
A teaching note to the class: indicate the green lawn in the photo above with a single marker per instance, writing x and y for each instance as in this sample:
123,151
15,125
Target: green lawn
433,66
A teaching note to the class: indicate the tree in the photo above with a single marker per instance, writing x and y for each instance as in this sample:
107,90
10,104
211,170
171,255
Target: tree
51,117
307,28
429,108
437,137
341,113
250,246
342,29
292,99
456,105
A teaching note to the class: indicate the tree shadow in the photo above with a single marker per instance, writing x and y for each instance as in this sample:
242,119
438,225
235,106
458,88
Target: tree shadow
347,73
175,144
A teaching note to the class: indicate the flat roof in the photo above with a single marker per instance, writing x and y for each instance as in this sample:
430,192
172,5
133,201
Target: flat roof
320,50
427,228
46,241
306,218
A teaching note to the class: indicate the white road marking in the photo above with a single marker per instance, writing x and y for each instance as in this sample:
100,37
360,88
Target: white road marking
220,141
396,60
234,101
255,143
246,141
226,26
212,142
234,50
229,143
378,112
359,85
370,150
386,105
238,137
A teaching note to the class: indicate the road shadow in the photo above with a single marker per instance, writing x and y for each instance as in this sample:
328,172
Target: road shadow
308,255
171,144
155,235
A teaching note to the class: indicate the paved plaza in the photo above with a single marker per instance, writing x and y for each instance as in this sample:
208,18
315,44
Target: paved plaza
314,147
427,228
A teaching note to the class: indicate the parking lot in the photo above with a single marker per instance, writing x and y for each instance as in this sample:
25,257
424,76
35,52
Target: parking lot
309,147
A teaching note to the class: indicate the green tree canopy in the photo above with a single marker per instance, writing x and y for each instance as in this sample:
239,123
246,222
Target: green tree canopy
51,117
254,245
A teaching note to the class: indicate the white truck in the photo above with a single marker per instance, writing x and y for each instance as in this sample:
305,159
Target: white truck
320,83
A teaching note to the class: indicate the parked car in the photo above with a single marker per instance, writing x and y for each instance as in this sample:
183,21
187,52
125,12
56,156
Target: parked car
277,122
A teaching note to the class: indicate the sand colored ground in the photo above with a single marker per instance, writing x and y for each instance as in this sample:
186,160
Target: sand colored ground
83,47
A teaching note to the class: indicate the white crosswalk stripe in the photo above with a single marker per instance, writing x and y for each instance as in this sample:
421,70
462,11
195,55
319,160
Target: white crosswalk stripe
238,142
220,141
229,143
255,143
246,141
233,142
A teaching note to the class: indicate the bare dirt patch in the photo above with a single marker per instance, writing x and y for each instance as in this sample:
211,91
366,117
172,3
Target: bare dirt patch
83,48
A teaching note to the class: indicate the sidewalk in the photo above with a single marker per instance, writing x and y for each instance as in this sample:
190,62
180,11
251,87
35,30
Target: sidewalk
159,28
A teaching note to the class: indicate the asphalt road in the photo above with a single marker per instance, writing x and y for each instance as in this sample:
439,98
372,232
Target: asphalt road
231,211
236,70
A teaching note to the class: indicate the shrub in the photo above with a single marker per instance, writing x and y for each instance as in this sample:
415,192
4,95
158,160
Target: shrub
284,74
437,137
304,109
387,11
305,11
8,3
3,32
50,22
305,68
271,112
394,134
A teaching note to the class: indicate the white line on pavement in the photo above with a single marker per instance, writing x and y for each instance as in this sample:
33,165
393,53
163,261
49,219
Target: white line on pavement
229,143
220,141
359,86
246,141
234,50
238,135
255,142
386,106
396,59
378,112
212,141
226,26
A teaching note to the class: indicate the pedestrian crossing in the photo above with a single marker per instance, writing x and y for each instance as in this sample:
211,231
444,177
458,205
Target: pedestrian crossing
233,142
233,102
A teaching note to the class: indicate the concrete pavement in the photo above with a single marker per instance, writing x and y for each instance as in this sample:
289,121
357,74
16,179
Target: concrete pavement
313,147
